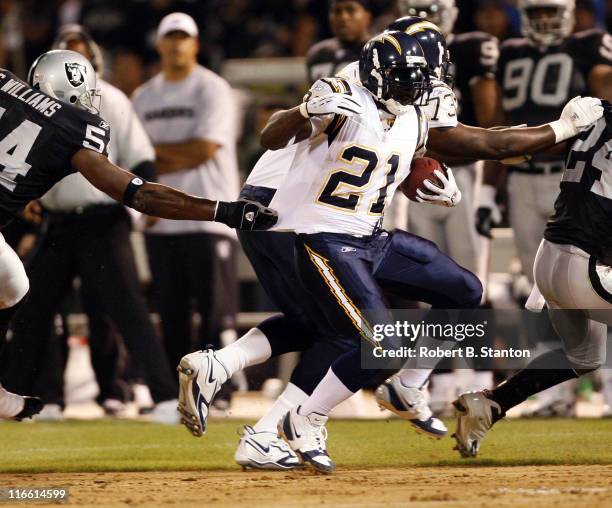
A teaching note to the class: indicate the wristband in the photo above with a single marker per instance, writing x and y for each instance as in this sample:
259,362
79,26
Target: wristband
563,130
304,110
132,188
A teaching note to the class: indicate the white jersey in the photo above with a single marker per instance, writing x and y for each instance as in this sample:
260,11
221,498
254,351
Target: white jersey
272,166
343,176
202,106
129,146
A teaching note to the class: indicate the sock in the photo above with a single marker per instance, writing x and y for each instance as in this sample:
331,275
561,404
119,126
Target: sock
327,395
533,379
11,404
291,397
250,349
414,378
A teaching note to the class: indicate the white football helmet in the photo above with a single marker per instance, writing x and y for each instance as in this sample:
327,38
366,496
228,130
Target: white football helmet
550,30
440,12
67,76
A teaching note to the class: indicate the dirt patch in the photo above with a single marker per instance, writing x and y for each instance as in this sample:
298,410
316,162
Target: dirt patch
499,487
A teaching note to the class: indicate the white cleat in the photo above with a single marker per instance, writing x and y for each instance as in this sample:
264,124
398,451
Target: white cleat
306,436
476,414
264,450
201,376
409,404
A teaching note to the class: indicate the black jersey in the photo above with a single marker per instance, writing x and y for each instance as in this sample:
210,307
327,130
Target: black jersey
583,210
38,137
328,57
474,55
537,81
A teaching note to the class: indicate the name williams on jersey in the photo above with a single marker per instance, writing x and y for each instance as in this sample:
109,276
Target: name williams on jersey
37,100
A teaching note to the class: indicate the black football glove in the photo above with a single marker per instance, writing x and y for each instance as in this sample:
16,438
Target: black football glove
245,215
484,223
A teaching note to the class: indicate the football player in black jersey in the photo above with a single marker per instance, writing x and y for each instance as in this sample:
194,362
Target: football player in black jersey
349,21
49,128
536,75
573,276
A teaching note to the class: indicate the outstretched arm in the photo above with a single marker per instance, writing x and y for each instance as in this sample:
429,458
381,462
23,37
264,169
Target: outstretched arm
151,199
163,201
478,143
491,144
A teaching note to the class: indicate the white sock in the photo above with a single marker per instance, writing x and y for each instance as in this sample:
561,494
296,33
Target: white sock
291,397
414,378
327,395
11,404
250,349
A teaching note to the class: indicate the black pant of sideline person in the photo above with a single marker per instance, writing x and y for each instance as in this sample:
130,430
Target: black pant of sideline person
193,272
94,245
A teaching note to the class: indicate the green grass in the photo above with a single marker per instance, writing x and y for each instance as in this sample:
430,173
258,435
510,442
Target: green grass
79,446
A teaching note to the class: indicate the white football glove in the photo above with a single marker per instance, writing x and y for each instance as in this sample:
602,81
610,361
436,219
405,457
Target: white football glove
447,195
577,115
339,103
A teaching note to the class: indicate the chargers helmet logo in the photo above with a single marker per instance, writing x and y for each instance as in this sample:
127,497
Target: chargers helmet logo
75,73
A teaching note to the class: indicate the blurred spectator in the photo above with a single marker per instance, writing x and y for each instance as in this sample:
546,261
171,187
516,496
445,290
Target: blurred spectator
492,17
85,233
349,21
586,16
190,115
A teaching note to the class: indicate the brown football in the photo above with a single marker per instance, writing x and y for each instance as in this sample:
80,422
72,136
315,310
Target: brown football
420,170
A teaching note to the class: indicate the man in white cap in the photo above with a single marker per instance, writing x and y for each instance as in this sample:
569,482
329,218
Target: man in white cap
191,117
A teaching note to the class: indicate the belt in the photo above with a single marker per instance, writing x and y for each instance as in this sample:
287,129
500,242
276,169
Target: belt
538,168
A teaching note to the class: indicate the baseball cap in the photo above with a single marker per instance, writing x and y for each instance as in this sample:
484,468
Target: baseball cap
177,22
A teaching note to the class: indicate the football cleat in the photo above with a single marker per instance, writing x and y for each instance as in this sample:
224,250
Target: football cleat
31,406
18,407
201,376
306,436
264,450
409,404
476,414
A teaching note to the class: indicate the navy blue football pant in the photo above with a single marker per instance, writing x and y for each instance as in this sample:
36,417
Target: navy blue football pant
406,265
347,275
301,326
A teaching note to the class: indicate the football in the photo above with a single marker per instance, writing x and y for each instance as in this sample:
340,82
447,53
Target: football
420,170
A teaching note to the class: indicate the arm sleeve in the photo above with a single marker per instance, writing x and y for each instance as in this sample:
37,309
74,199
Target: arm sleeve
89,131
217,114
441,109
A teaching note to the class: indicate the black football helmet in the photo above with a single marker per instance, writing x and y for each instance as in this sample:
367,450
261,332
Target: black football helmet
432,41
393,68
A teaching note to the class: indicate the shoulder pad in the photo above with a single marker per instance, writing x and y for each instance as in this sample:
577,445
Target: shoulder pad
591,32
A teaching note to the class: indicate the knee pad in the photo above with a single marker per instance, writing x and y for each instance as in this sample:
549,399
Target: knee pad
14,283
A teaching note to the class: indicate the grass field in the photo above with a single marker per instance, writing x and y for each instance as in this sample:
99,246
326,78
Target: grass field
527,463
106,445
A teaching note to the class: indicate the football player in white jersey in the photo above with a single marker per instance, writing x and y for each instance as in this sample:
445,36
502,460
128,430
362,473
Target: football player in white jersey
202,373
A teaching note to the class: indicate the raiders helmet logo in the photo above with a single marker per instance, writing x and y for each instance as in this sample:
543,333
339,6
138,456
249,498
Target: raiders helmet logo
75,73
